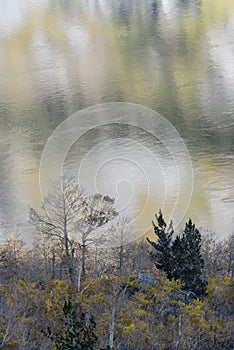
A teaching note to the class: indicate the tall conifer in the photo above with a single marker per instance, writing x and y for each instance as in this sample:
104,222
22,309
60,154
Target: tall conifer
180,258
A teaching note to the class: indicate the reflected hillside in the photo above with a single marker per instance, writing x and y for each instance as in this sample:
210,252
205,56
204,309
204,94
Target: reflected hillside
175,57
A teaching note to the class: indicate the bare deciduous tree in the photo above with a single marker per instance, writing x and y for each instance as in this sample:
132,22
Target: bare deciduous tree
70,219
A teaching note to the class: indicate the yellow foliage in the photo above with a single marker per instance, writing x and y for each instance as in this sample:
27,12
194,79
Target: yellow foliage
59,285
129,329
48,305
139,313
228,281
195,309
141,298
98,298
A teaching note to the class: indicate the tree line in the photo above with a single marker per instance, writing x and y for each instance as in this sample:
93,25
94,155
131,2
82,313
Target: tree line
173,291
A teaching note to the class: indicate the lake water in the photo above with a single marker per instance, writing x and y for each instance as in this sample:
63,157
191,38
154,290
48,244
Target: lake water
175,57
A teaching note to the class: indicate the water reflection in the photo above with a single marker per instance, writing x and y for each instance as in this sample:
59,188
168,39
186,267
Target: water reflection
173,56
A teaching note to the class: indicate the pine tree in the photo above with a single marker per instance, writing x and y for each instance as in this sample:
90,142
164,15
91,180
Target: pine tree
78,332
180,258
188,260
161,252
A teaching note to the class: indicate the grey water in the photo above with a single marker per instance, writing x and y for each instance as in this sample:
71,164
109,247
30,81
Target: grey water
173,56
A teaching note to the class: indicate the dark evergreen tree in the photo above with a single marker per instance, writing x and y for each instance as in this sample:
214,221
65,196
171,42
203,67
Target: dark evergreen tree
179,258
188,260
78,331
161,252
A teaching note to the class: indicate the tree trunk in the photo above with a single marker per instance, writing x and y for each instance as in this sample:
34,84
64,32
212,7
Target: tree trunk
53,265
121,259
112,327
83,256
